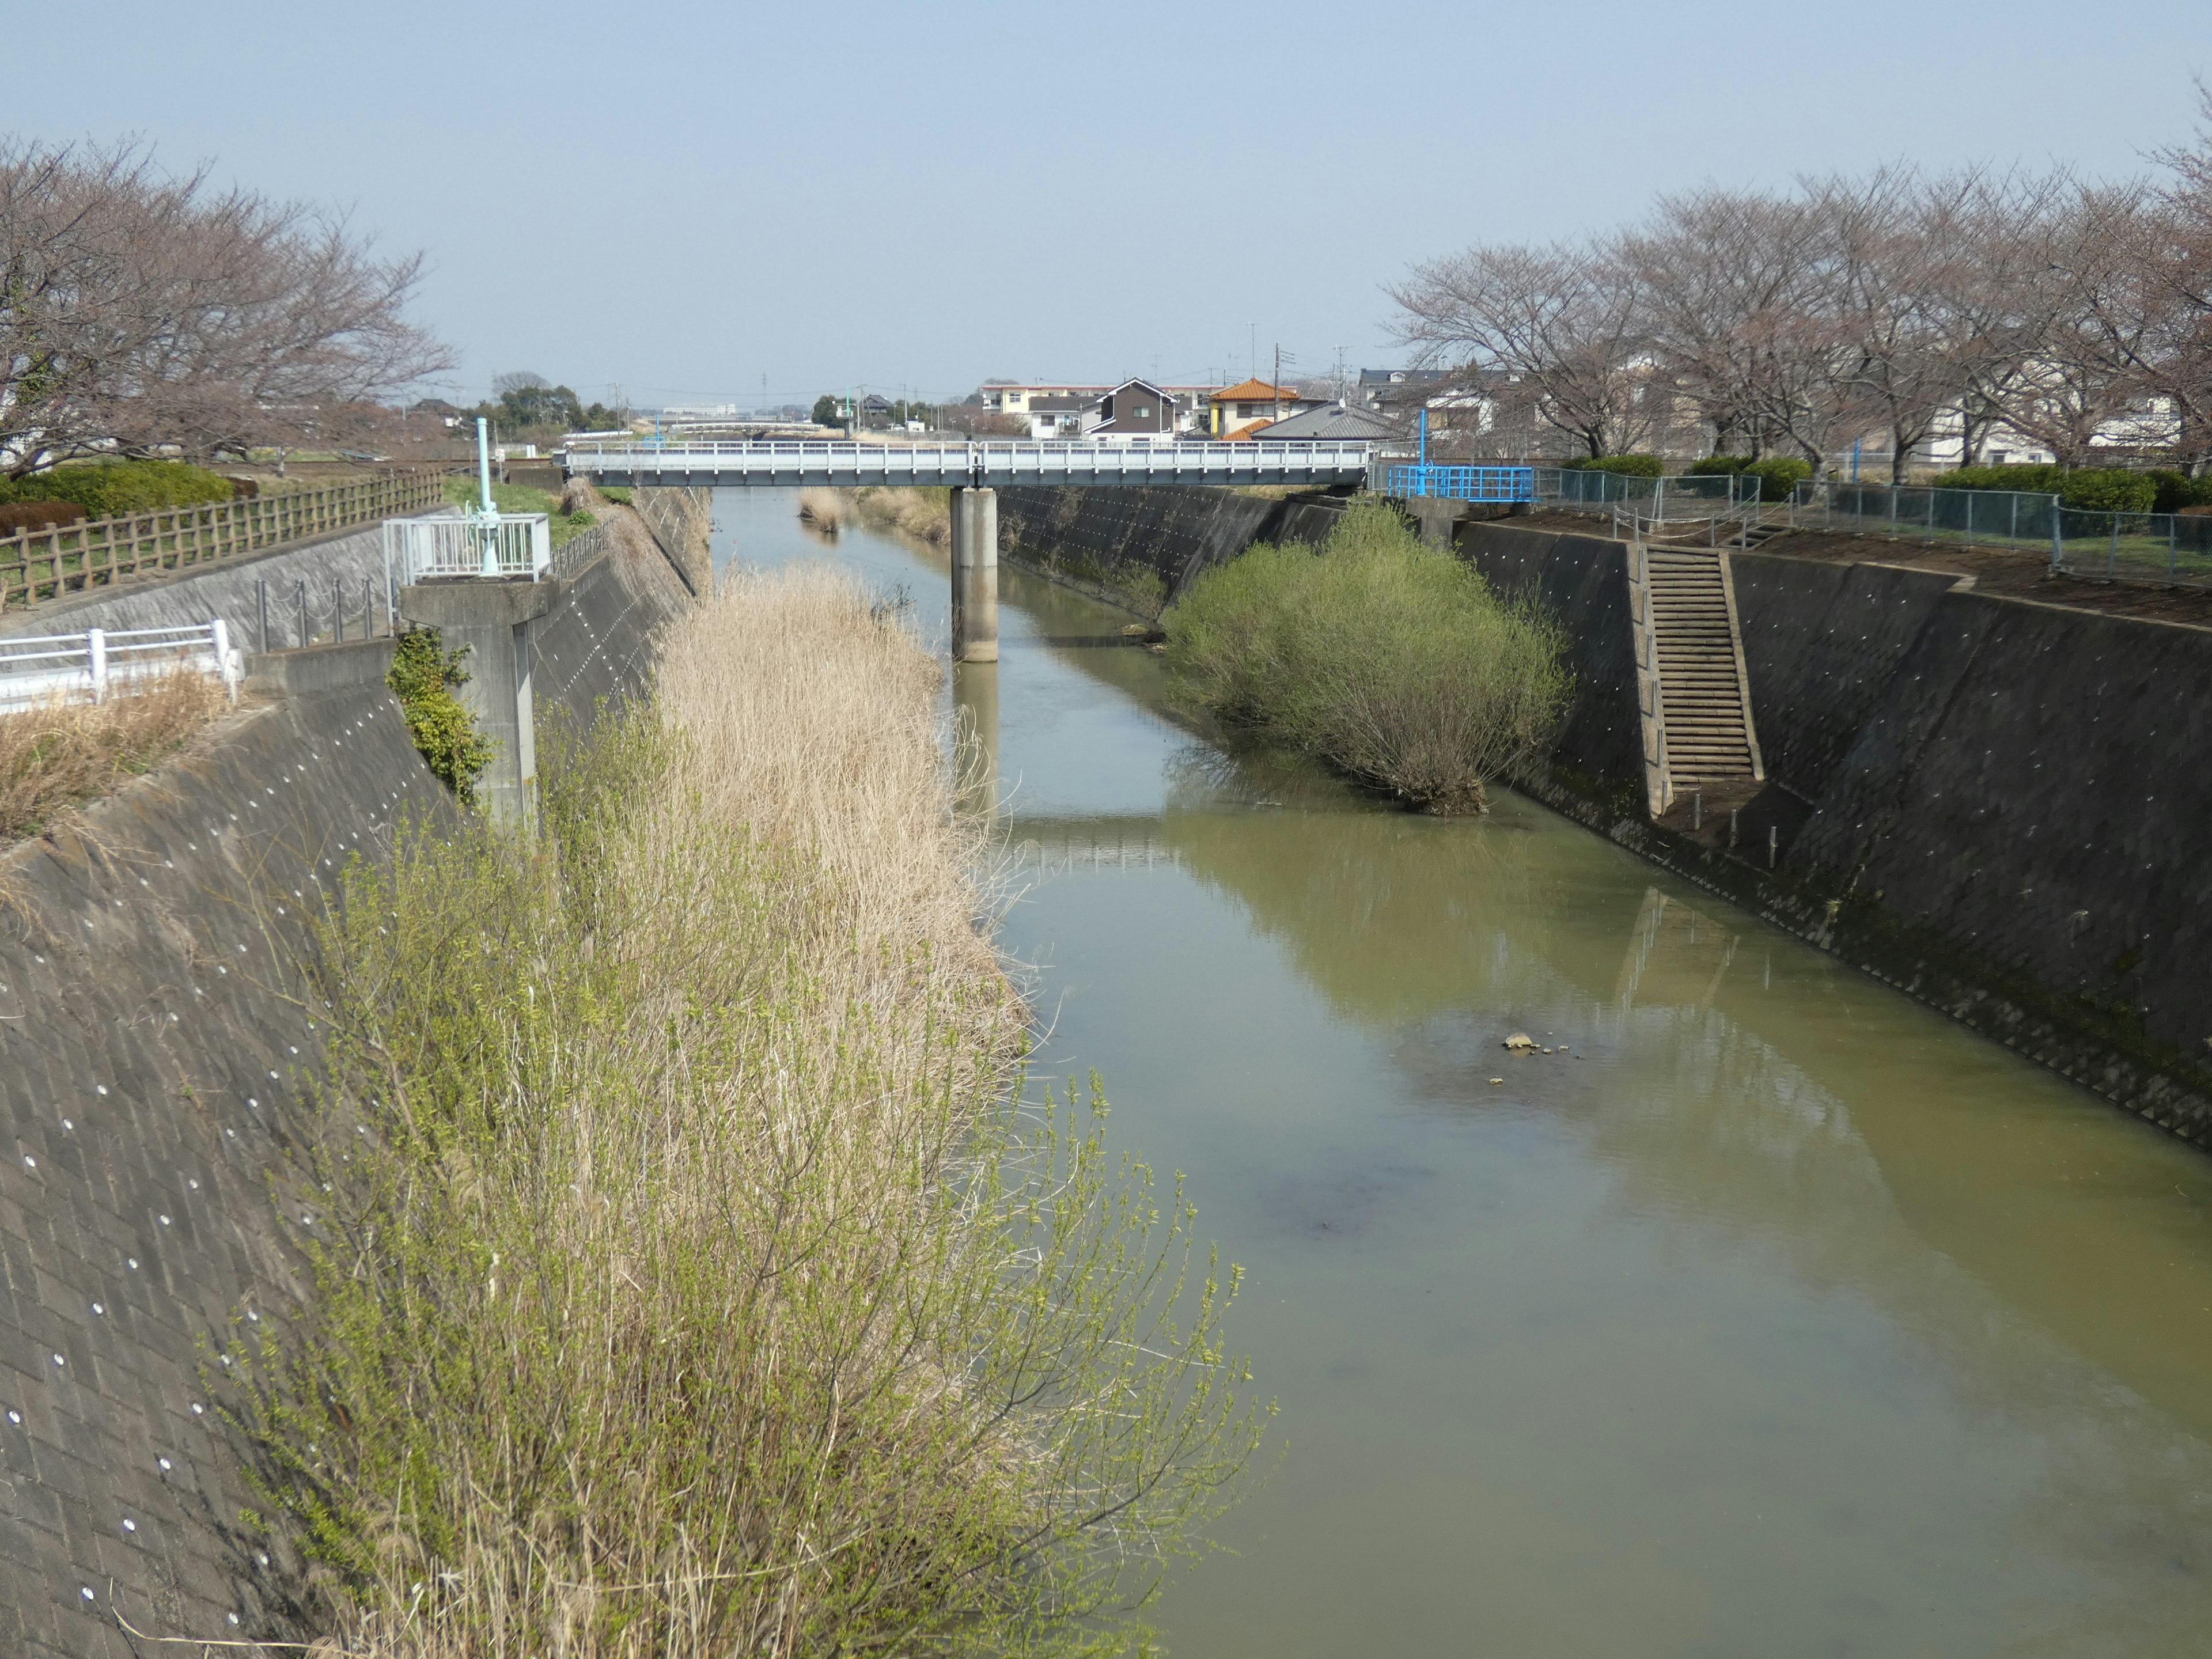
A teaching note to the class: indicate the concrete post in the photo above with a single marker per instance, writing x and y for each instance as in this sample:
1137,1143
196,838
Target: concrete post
1437,516
497,622
975,700
974,574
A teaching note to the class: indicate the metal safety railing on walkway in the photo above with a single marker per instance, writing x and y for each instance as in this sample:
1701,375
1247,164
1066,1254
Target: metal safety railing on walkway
1461,483
85,667
509,544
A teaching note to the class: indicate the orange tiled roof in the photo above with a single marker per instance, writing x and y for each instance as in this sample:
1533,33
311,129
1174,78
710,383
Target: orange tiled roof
1249,429
1252,392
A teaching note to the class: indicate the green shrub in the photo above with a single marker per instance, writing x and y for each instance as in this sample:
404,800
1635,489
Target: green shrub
2085,489
1392,661
2177,490
423,676
1778,475
1714,466
618,494
106,490
1633,466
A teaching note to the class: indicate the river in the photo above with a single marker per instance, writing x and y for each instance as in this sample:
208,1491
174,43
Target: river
1771,1315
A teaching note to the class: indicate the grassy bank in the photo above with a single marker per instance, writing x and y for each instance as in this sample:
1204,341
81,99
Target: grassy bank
64,755
1391,661
685,1282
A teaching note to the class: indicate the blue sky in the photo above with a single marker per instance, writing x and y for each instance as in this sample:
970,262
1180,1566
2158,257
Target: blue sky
700,200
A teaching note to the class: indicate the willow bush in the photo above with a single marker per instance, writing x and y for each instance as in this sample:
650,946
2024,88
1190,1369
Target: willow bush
1392,661
689,1278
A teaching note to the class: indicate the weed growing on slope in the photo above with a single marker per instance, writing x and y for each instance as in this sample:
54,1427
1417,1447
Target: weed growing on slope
423,676
62,755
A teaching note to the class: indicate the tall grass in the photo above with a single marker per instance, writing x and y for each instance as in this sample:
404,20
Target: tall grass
685,1283
1390,661
825,509
922,511
64,754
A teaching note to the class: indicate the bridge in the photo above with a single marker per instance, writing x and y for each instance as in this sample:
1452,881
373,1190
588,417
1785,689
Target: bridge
781,463
974,472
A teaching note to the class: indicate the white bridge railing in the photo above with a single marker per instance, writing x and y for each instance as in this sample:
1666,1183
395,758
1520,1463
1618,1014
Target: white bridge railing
516,544
781,461
85,667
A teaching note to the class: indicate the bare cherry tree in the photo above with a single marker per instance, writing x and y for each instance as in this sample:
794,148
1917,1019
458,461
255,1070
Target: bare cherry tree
1566,321
2178,261
2072,324
139,311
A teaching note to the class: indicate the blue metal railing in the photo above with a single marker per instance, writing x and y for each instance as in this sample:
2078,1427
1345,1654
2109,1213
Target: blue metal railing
1464,483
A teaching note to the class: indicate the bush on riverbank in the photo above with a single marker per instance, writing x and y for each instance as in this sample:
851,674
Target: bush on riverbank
1392,661
685,1284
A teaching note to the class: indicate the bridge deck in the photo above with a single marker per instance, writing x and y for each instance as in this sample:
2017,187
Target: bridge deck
770,463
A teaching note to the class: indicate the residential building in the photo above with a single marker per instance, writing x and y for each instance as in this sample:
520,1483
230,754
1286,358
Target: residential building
1056,415
1393,389
1016,398
1240,410
1338,421
1135,410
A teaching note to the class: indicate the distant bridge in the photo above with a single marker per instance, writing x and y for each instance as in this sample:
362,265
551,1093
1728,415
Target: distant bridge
782,464
975,472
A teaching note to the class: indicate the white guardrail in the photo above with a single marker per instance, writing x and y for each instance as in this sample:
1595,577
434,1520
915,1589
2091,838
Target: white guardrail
770,461
519,544
85,667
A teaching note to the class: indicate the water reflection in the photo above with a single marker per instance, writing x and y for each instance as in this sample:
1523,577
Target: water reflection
1774,1315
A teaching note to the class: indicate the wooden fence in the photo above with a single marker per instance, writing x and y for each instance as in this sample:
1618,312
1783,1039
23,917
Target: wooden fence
40,565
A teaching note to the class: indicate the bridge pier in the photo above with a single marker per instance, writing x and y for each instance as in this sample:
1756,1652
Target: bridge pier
974,574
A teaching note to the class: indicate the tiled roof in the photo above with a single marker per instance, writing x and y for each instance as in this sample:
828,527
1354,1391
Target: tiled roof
1253,391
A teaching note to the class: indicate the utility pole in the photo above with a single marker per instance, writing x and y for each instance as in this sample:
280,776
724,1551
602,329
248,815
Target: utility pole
1278,380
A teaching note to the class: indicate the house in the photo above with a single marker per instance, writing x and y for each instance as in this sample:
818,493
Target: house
1392,390
1240,411
1135,410
1019,398
1056,415
876,411
1334,423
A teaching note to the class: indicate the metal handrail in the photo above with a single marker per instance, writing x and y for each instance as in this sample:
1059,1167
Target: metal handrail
109,655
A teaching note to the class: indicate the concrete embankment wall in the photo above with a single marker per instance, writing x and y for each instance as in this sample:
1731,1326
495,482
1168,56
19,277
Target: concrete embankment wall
1173,532
230,588
1992,804
157,1034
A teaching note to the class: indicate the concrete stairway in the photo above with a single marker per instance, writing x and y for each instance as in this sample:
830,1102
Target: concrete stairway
1704,705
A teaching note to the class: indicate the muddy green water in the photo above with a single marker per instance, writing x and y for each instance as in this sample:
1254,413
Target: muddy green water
1776,1316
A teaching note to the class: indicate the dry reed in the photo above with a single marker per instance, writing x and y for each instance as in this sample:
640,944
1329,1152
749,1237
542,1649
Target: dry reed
684,1286
62,754
824,509
920,511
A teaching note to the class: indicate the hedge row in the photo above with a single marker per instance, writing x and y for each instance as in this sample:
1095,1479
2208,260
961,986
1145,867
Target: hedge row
1632,466
106,488
2086,490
